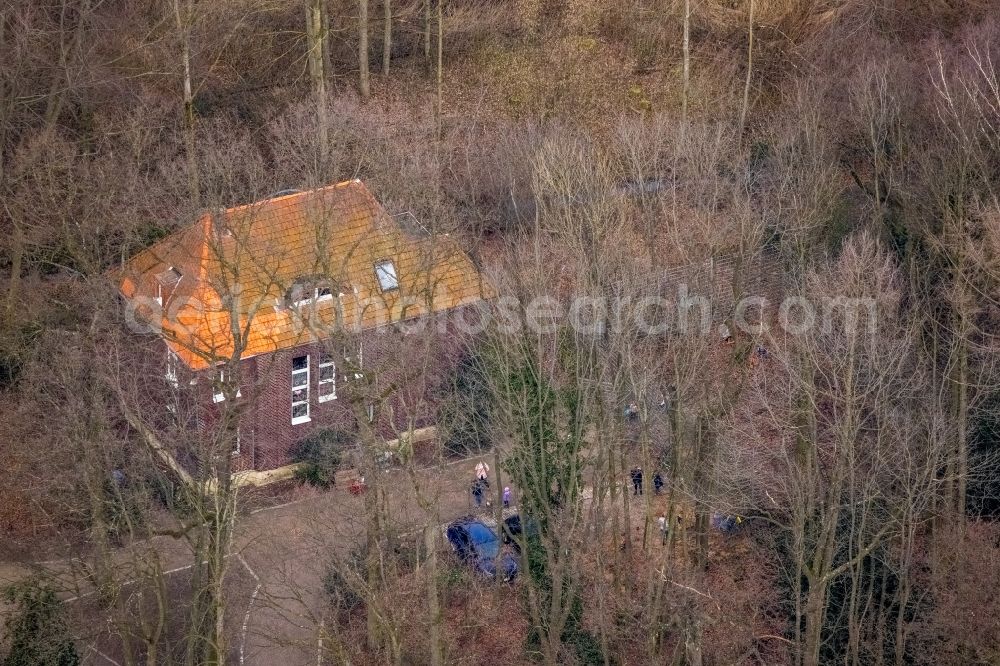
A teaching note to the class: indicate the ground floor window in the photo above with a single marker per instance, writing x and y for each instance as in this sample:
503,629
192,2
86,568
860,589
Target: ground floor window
171,370
300,389
219,386
327,385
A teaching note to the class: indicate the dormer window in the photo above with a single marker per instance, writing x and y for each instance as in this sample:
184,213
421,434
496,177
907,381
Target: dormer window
307,291
385,271
165,283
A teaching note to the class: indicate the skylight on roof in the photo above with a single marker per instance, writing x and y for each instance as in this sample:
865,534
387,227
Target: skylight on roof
385,271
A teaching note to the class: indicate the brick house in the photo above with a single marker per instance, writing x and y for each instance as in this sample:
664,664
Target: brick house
307,310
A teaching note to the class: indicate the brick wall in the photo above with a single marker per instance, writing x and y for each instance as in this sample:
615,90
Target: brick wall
402,377
405,368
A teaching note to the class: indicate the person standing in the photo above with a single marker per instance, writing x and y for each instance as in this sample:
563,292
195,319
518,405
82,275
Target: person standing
477,492
482,473
506,497
637,481
657,482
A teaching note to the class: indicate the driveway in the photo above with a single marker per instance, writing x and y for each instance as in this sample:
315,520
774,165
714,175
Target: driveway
280,556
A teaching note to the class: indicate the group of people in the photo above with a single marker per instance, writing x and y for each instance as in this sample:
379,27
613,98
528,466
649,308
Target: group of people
636,476
482,483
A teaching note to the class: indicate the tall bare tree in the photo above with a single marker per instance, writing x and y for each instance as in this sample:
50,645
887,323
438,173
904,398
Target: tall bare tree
364,84
386,35
316,38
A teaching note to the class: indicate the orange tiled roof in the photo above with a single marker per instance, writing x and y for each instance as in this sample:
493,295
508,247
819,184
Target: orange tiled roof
228,277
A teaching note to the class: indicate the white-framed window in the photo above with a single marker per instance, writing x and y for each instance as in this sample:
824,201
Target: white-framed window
326,387
170,372
385,271
218,390
169,278
371,413
300,389
236,445
354,362
301,294
219,386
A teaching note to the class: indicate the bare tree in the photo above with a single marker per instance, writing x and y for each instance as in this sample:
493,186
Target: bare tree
823,474
316,37
364,85
386,36
184,16
749,78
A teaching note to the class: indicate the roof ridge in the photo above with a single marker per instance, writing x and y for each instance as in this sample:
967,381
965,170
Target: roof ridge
292,195
172,238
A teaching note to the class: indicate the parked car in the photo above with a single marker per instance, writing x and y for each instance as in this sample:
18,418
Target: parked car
514,526
477,544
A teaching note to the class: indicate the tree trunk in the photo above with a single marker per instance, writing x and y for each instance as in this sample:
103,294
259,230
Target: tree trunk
217,575
433,603
184,20
387,36
814,612
316,38
17,255
327,61
746,85
692,642
701,519
427,31
626,504
61,82
189,136
440,64
962,414
364,87
687,62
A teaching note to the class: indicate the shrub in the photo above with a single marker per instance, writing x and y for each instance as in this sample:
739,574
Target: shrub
341,594
465,418
36,630
319,455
